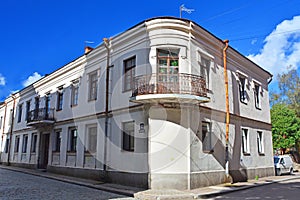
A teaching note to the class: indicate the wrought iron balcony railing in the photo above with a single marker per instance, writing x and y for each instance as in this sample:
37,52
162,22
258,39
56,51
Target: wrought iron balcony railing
40,114
169,84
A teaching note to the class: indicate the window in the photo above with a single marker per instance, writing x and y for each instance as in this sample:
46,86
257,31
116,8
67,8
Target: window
60,98
20,113
57,141
24,144
74,94
6,145
72,146
47,105
17,142
36,107
128,136
33,142
260,142
27,110
206,137
168,66
242,88
91,139
93,86
1,119
257,96
129,71
204,69
245,141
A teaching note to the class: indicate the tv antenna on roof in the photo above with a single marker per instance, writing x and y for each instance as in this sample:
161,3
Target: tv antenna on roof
183,8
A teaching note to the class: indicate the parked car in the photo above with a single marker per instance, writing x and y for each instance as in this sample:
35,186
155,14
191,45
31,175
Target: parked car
283,165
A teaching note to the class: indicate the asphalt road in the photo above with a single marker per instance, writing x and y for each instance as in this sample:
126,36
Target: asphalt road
287,190
16,185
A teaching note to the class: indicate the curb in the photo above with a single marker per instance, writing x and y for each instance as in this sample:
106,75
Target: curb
218,193
89,185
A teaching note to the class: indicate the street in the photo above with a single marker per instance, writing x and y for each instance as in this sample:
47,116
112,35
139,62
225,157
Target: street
16,185
287,190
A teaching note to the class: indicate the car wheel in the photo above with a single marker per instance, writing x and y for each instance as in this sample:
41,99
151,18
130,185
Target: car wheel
291,171
278,172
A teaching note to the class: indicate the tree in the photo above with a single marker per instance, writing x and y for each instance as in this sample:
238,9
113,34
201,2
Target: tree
289,90
285,127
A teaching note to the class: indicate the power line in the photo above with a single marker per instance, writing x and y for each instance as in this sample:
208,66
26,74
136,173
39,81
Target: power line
264,35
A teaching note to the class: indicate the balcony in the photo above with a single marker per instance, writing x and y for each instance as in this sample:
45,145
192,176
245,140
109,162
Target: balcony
178,88
40,117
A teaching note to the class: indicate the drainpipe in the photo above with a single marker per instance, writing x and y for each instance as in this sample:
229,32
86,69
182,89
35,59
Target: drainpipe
227,108
107,46
11,130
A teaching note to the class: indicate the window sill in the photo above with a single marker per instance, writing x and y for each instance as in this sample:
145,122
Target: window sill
258,108
56,152
261,154
244,102
129,151
208,151
87,153
57,110
91,100
247,154
73,106
71,153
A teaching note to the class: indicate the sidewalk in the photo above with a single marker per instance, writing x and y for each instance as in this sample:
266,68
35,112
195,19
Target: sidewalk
139,194
211,191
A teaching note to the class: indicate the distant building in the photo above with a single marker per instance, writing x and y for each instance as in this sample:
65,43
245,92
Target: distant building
158,121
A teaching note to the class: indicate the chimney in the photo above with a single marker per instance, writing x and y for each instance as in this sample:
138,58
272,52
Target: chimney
87,49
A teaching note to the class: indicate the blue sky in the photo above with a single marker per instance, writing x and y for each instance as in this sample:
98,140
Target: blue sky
37,37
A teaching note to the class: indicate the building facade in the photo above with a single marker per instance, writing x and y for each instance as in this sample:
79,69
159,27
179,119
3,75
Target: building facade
145,108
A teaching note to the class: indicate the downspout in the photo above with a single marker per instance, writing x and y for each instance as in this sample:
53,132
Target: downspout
11,130
227,108
107,46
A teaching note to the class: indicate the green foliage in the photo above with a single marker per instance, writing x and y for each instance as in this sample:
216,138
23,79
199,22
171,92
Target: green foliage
285,126
289,91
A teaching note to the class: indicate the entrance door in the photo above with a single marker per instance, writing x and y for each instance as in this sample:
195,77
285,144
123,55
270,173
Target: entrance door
44,147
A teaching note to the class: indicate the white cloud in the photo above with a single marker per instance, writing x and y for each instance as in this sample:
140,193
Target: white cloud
281,48
31,79
2,80
254,41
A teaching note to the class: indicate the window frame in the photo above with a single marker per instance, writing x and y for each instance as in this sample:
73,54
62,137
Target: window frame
245,142
257,98
128,137
129,73
57,140
207,135
60,99
74,94
72,139
17,144
168,73
260,143
28,106
20,111
91,139
93,83
242,89
6,145
25,143
34,139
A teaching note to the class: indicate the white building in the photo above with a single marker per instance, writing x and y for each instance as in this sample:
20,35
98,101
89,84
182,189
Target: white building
158,121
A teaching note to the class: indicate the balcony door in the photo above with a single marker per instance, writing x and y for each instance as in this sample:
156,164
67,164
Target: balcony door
168,67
